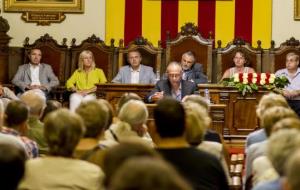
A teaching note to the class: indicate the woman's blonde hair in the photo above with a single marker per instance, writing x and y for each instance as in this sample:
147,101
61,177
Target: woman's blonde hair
82,55
197,122
268,101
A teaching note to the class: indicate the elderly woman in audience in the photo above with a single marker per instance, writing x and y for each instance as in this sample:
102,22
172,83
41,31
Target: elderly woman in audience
152,170
266,102
83,81
267,120
262,167
132,123
63,130
240,60
118,154
197,121
281,146
95,116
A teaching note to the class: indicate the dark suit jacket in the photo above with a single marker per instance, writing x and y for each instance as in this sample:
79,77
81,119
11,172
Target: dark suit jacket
187,88
197,74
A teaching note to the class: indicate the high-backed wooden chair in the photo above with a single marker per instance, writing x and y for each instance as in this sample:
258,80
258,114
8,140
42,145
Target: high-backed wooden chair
278,55
189,39
52,53
225,56
104,55
151,56
55,55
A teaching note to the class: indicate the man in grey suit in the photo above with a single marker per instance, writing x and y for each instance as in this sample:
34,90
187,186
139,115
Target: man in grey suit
174,86
35,75
192,71
135,73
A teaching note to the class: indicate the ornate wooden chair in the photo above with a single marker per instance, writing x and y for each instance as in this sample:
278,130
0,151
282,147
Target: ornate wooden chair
53,54
151,56
189,39
104,55
278,55
225,56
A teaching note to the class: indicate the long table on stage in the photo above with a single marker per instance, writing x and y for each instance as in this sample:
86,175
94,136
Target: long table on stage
233,115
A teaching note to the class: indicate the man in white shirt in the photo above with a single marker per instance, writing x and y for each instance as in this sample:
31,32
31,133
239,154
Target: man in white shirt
35,75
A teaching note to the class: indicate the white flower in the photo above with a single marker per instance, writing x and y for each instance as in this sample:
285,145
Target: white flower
254,80
245,75
272,79
262,81
245,81
254,75
263,76
236,77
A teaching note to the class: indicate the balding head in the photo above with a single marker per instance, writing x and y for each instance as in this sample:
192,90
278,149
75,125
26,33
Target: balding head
134,112
35,100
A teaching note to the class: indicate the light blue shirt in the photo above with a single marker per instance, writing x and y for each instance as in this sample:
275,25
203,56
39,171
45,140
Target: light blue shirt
294,82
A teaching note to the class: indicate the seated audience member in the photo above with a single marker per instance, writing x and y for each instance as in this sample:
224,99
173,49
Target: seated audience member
135,73
117,155
16,116
174,86
83,81
192,71
12,166
36,103
95,116
132,123
266,102
6,95
262,167
35,75
267,120
59,170
210,135
292,170
157,174
292,71
240,60
51,105
281,146
127,97
170,120
111,113
197,122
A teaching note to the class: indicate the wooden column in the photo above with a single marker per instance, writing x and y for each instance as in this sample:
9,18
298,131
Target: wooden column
4,53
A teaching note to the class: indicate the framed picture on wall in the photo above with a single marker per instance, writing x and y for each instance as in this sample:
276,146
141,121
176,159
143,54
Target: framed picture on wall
67,6
297,9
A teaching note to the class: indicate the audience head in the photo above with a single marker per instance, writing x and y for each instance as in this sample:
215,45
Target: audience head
240,58
86,59
110,112
286,123
118,154
174,72
281,145
134,58
63,130
126,97
270,100
157,174
12,166
135,113
197,122
169,118
274,114
292,171
51,105
292,61
94,115
200,100
35,56
187,60
16,114
35,100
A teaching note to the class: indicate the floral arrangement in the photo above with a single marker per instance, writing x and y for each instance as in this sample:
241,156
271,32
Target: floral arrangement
250,82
